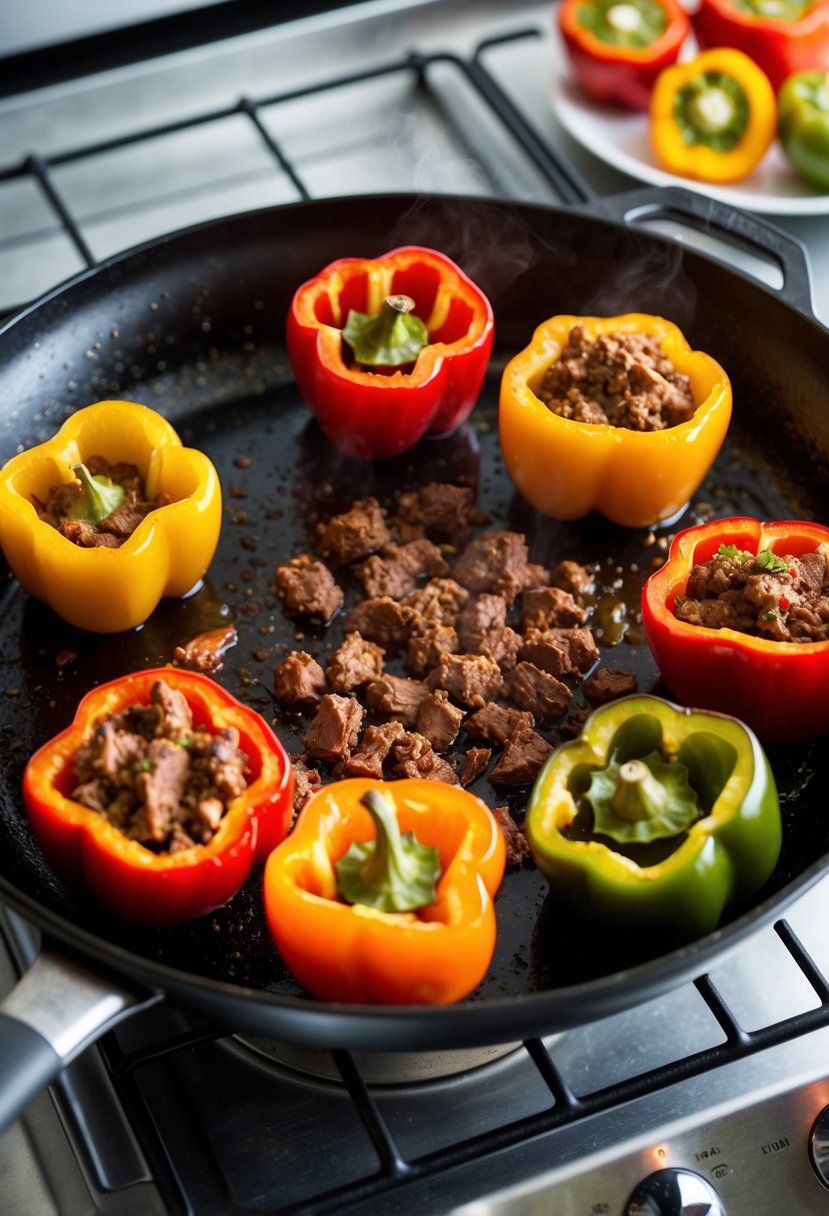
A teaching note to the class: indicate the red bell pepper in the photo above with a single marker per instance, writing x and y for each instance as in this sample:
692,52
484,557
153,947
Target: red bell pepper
134,882
781,36
778,688
380,409
617,48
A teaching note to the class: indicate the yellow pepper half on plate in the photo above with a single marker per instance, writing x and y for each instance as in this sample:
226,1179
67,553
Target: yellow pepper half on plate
713,118
106,590
566,468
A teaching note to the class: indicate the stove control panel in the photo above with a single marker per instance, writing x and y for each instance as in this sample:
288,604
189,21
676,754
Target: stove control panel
674,1192
819,1146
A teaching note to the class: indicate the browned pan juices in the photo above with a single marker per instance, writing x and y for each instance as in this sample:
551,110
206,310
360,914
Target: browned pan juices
210,358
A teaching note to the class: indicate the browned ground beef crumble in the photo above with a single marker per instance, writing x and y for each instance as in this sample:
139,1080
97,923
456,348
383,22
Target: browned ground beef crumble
741,592
161,781
113,529
621,379
492,646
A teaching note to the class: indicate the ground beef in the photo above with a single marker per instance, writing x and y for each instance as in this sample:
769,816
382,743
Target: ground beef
621,379
415,757
299,679
426,650
547,607
307,588
354,663
158,779
371,753
383,620
397,696
572,577
495,723
397,571
471,679
306,783
439,601
538,692
477,758
517,845
441,510
113,529
439,720
608,684
488,558
205,652
784,599
355,533
335,727
524,755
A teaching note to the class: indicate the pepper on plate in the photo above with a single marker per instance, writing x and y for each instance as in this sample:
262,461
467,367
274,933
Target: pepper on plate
778,687
714,117
386,350
803,125
130,879
781,36
383,892
617,48
106,590
656,818
566,468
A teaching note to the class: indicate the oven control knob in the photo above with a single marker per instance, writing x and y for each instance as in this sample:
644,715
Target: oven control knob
674,1192
819,1146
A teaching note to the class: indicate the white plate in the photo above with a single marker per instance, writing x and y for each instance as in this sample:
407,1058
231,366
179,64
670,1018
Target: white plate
620,138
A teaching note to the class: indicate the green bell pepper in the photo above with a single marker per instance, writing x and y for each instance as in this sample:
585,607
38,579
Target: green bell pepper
656,817
803,124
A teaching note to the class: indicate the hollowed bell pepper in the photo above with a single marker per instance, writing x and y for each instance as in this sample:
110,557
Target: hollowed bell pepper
371,411
566,468
618,47
132,881
781,36
714,117
356,953
778,688
108,590
803,125
595,839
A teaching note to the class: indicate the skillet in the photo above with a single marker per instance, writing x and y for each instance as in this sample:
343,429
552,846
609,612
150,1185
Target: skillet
192,325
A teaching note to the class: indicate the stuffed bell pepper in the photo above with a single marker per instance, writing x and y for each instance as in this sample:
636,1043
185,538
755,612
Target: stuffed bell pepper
738,620
109,516
383,892
656,818
803,125
781,36
390,349
612,414
160,796
714,117
618,47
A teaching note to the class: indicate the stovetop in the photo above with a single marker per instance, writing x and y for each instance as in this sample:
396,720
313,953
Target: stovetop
723,1077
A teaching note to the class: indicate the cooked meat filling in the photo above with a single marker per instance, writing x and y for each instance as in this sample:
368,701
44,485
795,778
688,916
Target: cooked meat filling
621,379
784,599
113,529
159,779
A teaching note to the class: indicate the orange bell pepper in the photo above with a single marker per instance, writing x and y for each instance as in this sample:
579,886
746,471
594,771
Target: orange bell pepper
566,468
90,852
355,953
109,590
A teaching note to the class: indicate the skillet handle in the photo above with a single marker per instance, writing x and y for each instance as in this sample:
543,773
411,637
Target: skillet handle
746,232
56,1010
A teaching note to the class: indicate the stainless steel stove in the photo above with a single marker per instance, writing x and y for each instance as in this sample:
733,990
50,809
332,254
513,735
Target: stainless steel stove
718,1089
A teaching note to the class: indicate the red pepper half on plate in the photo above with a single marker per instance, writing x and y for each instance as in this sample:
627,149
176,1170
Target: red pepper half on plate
134,882
390,349
778,688
781,36
618,47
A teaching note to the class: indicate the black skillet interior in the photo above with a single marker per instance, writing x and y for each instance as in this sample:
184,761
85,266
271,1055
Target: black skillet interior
193,326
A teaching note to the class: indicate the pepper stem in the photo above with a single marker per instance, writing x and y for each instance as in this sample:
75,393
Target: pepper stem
638,794
640,800
393,872
99,496
392,337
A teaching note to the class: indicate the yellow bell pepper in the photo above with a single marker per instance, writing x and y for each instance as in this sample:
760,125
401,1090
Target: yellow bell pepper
713,118
566,468
100,589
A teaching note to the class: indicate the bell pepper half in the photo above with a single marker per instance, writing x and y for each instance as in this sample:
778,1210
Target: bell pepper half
803,125
378,397
655,818
714,117
776,687
86,849
566,468
781,36
433,954
109,590
617,48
